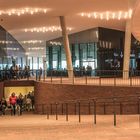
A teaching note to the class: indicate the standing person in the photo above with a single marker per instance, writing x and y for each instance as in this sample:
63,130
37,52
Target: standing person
28,104
13,101
20,104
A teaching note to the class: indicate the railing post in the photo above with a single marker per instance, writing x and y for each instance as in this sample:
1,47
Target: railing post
51,110
104,108
67,117
89,112
100,81
28,74
47,112
94,101
36,75
51,76
114,106
86,78
61,77
79,111
62,109
75,108
121,109
130,78
43,109
115,78
73,79
56,111
44,76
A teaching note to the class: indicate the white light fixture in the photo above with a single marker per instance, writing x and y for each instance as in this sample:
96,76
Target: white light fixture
36,48
23,11
32,42
46,29
107,15
55,43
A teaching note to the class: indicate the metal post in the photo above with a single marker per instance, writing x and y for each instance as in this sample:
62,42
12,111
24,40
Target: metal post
104,108
89,112
51,76
44,76
79,111
73,79
75,108
100,81
36,75
86,79
121,109
47,112
62,108
114,79
94,101
51,110
67,117
114,105
130,78
43,109
56,111
61,78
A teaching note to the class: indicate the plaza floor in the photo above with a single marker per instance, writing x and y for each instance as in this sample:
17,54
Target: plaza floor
38,127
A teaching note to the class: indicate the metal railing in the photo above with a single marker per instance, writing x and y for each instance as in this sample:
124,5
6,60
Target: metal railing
97,106
94,77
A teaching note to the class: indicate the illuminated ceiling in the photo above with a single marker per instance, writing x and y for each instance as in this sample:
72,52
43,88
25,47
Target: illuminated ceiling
44,14
136,21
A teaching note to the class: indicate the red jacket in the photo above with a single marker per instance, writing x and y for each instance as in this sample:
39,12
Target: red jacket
13,100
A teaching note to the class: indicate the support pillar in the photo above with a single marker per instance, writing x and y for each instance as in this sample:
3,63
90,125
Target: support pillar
44,66
27,62
66,46
127,50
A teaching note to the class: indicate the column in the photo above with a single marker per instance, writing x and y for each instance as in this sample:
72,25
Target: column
50,57
32,62
127,50
38,63
66,46
44,66
21,62
27,63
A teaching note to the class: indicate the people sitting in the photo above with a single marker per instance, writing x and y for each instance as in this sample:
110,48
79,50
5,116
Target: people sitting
3,105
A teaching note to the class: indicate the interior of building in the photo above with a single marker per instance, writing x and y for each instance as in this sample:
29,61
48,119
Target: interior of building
73,61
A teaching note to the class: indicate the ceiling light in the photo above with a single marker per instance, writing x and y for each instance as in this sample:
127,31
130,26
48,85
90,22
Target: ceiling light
22,11
46,29
32,42
109,15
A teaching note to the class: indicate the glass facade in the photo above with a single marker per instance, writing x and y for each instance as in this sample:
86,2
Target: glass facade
82,55
99,48
10,50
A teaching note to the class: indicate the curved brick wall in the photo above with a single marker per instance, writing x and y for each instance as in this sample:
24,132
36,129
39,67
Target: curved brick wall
49,93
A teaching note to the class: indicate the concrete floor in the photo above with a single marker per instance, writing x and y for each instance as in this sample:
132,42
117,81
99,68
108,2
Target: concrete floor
37,127
135,81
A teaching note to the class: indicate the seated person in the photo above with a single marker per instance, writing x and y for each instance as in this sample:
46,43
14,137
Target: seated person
3,105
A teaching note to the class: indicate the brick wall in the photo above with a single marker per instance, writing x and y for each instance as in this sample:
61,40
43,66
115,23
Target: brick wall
48,93
16,83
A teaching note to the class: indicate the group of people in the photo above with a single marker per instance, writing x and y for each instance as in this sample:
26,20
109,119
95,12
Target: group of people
15,72
17,104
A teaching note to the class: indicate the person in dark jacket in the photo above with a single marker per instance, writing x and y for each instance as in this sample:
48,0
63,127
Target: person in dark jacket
3,105
20,104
